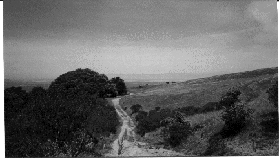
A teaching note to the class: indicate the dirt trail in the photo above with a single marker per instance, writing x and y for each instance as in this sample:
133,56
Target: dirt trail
126,145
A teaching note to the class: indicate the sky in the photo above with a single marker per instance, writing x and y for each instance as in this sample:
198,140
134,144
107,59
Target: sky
46,38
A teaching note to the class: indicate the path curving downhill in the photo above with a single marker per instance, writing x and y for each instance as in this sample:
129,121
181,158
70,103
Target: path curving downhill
126,145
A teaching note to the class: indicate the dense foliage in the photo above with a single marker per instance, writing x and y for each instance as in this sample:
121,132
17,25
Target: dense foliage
234,116
141,115
135,108
175,129
120,85
151,121
273,94
177,132
67,119
230,98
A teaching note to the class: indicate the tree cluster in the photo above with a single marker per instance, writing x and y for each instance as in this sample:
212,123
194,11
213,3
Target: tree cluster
119,85
68,118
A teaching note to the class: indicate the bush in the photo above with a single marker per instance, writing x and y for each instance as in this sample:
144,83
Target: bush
269,123
143,126
211,106
190,110
235,118
135,108
177,132
152,121
273,94
157,108
141,115
230,98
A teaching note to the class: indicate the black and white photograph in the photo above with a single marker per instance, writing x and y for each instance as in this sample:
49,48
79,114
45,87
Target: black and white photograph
140,78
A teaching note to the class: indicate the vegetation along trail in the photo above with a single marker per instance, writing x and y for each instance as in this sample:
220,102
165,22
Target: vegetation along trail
126,145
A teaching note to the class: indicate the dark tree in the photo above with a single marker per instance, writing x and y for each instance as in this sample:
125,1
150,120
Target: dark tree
79,82
120,85
14,100
66,118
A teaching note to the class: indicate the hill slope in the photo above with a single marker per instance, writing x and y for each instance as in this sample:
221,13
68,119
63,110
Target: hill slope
198,92
260,137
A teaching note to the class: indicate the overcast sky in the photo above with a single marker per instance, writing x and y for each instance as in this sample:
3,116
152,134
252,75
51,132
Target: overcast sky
46,38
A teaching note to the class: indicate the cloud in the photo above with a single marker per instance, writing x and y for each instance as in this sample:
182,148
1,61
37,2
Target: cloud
266,13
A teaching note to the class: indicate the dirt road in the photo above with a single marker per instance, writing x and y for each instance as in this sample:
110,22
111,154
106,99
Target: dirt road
126,145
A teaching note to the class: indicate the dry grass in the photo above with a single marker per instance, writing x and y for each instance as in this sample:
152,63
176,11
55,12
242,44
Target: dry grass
195,94
249,148
199,92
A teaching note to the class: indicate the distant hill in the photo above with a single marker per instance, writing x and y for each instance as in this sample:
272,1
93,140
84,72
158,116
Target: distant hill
26,85
164,77
198,92
246,74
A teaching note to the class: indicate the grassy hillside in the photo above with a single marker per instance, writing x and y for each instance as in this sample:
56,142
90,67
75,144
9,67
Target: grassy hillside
260,137
198,92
